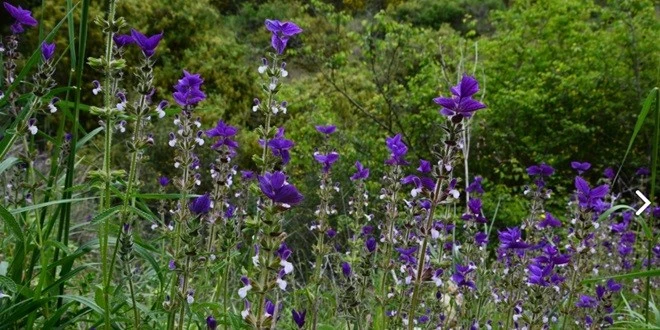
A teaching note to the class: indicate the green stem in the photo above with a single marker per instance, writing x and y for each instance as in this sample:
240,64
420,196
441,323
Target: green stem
422,252
136,314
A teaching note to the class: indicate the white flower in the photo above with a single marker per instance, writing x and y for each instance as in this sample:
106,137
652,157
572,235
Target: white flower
190,299
52,108
172,142
33,129
242,292
255,260
160,112
245,313
199,141
262,69
255,108
288,267
281,283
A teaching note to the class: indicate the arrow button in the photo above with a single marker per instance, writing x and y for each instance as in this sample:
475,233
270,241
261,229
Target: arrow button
646,201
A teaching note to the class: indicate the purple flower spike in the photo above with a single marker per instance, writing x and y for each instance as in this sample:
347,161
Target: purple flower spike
299,317
580,167
281,31
275,187
461,103
327,130
22,17
549,221
398,150
47,51
327,160
361,173
188,92
201,204
147,44
211,323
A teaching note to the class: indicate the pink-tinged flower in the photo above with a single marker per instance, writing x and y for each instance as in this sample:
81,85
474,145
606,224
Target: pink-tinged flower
275,187
147,44
22,17
461,103
281,31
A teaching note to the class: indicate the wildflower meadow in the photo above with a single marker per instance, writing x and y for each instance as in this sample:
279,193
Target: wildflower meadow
348,170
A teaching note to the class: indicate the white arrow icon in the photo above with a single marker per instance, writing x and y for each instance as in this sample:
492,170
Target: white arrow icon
646,201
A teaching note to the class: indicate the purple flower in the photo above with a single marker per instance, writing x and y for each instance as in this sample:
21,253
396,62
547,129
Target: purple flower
481,238
461,103
370,244
580,167
511,239
327,130
224,133
549,221
247,175
299,317
122,40
331,233
460,276
327,160
586,302
407,255
275,187
475,186
398,150
22,17
361,172
424,166
280,146
538,273
643,171
346,269
613,286
188,91
147,44
281,31
540,170
609,173
171,265
201,204
47,51
588,197
211,323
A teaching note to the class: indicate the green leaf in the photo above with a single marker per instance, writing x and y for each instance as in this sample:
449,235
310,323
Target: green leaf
11,223
646,273
7,163
8,283
638,126
38,206
84,301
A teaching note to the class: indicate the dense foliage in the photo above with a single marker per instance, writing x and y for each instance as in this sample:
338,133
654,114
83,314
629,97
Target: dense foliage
385,164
